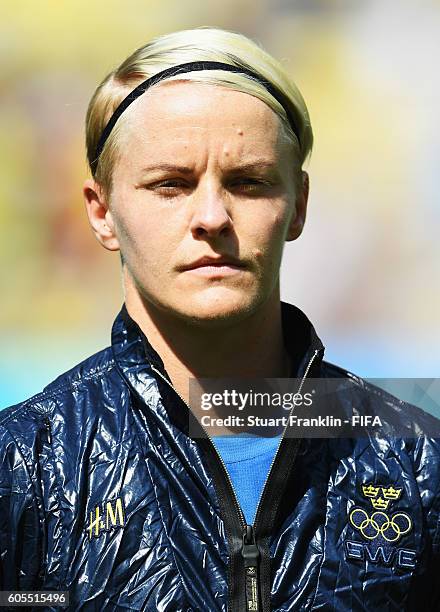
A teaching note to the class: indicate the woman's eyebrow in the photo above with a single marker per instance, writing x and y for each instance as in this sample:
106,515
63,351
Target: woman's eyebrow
168,167
258,164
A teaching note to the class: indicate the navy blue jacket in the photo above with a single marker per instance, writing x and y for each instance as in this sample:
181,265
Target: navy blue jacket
106,495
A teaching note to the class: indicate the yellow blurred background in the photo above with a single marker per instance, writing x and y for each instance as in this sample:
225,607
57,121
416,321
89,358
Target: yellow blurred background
366,269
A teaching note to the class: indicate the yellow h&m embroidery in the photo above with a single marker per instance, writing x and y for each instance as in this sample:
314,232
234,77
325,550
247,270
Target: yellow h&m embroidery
106,516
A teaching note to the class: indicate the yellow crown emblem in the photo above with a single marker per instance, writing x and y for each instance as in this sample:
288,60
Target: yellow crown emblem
370,490
391,493
380,503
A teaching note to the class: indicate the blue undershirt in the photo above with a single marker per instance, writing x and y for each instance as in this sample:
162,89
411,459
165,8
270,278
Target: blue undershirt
248,459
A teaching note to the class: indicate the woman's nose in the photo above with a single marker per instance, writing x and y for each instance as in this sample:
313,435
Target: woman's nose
210,211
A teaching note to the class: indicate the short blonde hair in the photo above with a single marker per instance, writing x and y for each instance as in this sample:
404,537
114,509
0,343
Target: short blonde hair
199,44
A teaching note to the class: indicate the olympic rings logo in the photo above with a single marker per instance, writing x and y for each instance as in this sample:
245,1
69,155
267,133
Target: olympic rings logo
390,528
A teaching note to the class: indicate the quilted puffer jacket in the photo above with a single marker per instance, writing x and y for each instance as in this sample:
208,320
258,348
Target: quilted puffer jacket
106,495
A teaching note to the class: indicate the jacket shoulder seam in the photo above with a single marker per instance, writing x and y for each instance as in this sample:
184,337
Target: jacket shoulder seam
29,404
8,417
368,386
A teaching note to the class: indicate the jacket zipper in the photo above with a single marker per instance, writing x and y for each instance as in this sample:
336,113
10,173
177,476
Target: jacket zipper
249,548
251,570
251,555
309,365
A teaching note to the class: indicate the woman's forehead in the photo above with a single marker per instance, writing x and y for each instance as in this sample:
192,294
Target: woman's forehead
180,114
176,103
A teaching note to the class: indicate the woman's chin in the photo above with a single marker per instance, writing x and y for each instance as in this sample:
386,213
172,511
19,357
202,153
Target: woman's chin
218,306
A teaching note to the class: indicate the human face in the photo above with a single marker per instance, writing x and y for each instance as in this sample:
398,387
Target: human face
203,199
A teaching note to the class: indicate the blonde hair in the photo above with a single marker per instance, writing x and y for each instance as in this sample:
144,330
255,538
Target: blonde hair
199,44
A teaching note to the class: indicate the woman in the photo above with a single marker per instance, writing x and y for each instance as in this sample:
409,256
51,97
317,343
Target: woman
111,488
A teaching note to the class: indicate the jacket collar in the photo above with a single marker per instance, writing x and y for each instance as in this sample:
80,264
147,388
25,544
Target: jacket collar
135,357
301,340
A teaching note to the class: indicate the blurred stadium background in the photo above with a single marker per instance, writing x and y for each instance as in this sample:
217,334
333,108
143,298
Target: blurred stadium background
366,270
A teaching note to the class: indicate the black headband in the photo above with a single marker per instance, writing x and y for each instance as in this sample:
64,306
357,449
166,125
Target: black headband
179,69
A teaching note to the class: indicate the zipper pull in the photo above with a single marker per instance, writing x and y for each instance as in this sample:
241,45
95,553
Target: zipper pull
251,554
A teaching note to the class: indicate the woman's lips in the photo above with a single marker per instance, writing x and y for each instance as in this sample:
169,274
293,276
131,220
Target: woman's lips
214,266
218,269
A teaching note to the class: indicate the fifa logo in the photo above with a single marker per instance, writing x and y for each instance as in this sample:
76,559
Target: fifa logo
106,516
379,523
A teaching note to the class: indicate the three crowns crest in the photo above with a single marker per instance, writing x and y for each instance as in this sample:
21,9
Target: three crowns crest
380,497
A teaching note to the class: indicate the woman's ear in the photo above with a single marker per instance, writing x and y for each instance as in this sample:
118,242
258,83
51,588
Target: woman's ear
99,215
299,216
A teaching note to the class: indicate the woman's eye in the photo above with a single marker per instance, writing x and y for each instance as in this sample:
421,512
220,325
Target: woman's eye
251,184
169,187
170,183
